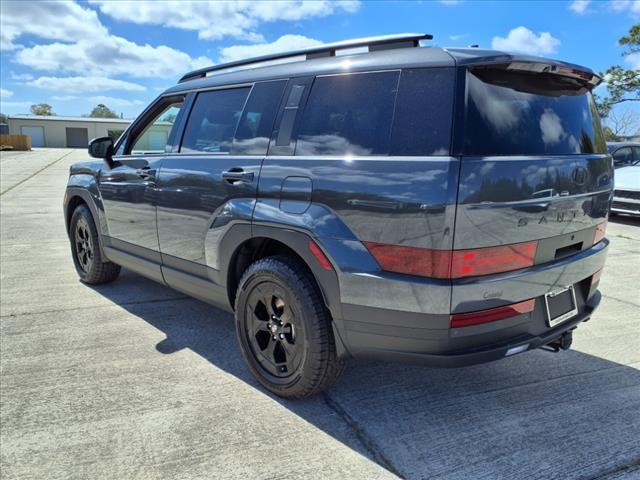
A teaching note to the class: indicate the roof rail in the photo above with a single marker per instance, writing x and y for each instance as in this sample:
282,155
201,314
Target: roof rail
384,42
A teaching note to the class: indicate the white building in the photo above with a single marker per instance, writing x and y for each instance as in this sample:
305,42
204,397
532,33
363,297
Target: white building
73,132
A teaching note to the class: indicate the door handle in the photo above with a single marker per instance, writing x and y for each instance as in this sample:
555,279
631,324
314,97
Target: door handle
145,172
237,175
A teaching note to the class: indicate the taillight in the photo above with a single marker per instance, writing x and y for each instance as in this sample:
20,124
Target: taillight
485,261
411,260
601,229
453,264
491,315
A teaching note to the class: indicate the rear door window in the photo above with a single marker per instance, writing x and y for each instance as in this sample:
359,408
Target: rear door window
516,113
213,121
349,114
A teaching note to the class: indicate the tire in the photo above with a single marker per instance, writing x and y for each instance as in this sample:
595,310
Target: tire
284,329
92,268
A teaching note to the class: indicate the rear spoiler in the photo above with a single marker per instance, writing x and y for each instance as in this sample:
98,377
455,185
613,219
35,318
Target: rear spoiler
588,77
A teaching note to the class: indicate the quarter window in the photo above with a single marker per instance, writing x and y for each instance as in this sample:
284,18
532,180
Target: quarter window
213,121
349,115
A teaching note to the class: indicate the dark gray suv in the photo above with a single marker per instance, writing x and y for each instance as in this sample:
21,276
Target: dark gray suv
440,206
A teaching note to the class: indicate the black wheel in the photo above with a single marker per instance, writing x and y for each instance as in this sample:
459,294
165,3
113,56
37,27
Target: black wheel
90,265
284,329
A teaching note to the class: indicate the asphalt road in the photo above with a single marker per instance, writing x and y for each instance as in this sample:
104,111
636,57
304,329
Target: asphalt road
135,381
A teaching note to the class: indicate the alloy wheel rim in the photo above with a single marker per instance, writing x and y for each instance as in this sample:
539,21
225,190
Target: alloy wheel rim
273,330
84,245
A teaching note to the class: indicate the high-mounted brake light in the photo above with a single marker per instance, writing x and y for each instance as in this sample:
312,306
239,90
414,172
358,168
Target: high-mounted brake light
453,264
601,229
320,256
491,315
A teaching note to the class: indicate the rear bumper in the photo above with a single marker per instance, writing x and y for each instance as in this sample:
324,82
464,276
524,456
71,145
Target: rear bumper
488,353
425,336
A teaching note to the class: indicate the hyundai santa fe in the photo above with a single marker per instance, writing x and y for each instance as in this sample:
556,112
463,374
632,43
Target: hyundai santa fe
373,198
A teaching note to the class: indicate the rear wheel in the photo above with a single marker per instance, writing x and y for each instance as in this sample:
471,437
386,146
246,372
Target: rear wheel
284,329
92,268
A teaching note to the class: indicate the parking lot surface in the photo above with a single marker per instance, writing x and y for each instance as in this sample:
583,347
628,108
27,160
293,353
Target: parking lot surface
132,380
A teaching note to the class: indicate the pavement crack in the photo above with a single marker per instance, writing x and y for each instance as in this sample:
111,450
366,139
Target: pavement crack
35,173
369,443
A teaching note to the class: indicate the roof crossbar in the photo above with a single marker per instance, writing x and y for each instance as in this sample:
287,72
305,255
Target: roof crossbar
384,42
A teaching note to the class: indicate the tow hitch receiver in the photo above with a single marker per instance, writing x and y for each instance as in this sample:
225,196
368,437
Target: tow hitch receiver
563,342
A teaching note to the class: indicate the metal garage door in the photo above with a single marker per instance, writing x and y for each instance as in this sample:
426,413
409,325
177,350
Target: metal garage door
36,134
77,137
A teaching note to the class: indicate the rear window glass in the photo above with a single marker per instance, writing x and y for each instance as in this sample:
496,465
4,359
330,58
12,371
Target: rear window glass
349,114
213,121
514,113
422,121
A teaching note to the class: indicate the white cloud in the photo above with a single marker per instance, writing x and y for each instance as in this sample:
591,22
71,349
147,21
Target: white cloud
24,104
460,36
634,60
450,2
283,44
630,6
94,100
4,93
523,40
579,6
214,20
84,84
66,21
21,77
83,45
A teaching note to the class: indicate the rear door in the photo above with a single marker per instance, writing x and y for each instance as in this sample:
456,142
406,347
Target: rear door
210,183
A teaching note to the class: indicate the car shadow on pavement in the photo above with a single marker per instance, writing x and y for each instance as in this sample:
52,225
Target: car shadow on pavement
625,220
568,415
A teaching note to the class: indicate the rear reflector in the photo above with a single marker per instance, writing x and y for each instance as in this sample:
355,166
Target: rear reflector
453,264
491,315
484,261
320,256
601,229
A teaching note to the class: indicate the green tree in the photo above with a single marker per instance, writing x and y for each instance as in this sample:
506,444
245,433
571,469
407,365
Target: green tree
43,109
102,111
623,85
3,118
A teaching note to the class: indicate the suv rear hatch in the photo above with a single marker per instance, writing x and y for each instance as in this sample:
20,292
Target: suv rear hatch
535,178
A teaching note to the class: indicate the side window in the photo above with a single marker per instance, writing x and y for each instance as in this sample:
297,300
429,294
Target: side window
213,120
154,137
623,156
349,115
636,155
422,121
256,124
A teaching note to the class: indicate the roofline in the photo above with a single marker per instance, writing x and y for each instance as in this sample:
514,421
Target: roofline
58,118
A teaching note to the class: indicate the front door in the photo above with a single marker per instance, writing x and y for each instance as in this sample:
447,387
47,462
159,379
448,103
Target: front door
128,189
211,184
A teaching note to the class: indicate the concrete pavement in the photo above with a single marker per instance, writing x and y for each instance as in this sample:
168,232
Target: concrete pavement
134,380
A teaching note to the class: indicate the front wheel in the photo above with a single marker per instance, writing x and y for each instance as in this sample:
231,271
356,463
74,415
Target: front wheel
284,329
85,249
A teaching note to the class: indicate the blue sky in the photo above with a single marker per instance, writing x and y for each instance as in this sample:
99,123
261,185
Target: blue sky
74,55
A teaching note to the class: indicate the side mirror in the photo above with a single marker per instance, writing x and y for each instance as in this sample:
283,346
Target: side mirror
102,147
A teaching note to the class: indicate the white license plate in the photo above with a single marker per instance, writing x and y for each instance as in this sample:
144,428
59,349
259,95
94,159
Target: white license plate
561,305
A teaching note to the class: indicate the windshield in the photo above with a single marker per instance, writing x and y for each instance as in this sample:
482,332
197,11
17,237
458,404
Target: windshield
515,113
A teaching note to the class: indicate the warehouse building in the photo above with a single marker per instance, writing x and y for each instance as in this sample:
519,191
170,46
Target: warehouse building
72,132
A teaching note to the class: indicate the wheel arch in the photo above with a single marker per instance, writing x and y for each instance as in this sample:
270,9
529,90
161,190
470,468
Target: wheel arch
75,198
